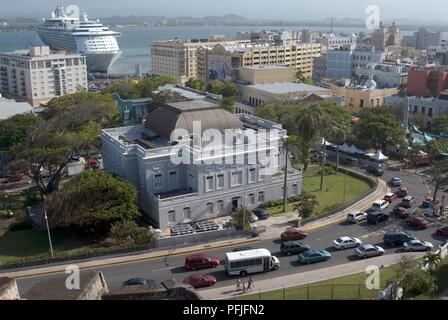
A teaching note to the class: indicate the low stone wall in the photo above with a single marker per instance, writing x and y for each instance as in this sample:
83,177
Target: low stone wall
195,238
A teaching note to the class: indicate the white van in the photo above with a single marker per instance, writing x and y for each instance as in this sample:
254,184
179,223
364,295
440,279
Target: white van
250,261
380,205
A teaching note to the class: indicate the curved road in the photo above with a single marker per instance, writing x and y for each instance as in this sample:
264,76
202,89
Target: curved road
167,268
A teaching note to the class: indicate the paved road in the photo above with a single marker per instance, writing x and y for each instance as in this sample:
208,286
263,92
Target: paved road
172,267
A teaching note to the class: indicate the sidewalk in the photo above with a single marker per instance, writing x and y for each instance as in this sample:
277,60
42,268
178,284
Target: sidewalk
275,225
308,277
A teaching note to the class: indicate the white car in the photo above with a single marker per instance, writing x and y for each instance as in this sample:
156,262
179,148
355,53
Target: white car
346,242
356,216
417,245
380,205
368,250
396,182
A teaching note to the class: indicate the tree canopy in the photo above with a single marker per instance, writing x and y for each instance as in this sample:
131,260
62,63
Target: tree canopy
440,123
94,199
16,129
136,89
197,84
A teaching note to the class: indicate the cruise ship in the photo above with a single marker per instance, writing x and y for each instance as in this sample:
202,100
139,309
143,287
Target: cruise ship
78,34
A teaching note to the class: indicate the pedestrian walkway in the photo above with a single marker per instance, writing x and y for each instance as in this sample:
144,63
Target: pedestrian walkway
275,225
303,278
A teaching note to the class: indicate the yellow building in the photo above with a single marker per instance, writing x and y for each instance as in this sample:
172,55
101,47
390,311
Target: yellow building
266,74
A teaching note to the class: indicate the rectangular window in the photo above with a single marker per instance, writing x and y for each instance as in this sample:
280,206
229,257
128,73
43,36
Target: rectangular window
261,196
187,213
430,112
173,180
295,189
361,103
210,208
220,182
252,198
158,182
209,183
237,178
220,206
172,216
252,175
423,109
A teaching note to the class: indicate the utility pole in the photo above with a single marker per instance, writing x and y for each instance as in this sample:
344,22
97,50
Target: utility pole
48,231
345,185
324,158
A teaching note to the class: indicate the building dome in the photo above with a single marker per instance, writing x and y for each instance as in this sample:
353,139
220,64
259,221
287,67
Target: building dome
370,84
181,115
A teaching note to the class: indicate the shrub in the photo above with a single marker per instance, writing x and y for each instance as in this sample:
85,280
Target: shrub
129,232
328,171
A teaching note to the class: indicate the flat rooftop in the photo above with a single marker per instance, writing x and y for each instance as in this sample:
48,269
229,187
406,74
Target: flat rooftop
288,87
9,108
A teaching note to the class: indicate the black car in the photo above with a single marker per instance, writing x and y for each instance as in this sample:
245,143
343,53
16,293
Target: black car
397,237
293,247
242,249
376,217
375,171
261,213
139,282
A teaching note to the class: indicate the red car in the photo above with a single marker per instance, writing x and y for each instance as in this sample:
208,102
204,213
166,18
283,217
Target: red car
13,179
200,261
401,212
443,231
403,192
390,197
418,222
293,234
200,280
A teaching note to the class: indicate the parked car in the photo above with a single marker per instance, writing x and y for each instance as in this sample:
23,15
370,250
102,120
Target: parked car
376,217
200,280
200,261
395,181
408,201
253,217
368,251
293,234
401,212
139,282
261,213
390,197
346,242
418,222
356,216
12,179
403,192
428,201
380,205
312,256
417,245
242,249
443,231
293,247
378,172
397,237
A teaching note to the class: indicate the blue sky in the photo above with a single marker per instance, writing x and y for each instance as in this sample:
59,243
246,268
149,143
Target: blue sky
282,9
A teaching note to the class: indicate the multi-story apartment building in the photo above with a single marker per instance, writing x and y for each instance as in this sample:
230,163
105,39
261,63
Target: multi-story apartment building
181,59
180,177
422,39
221,60
334,41
38,75
427,83
386,36
319,68
342,62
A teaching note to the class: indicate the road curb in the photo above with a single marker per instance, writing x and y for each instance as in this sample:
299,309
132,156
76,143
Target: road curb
120,260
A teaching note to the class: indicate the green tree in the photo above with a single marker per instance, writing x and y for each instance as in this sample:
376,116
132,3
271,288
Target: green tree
439,176
216,86
127,89
298,75
240,216
378,128
440,123
128,232
433,261
435,147
420,120
306,204
147,86
92,200
67,131
197,84
228,103
413,279
166,96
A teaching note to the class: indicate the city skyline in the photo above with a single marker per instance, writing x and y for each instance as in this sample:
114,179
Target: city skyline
262,9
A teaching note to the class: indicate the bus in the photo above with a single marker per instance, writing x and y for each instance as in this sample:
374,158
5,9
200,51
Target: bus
250,261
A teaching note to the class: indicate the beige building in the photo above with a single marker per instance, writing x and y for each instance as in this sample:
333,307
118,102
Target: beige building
357,98
183,59
386,37
266,74
221,59
38,75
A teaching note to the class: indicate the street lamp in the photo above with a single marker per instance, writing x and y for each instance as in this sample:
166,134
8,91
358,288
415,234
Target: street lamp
48,231
345,185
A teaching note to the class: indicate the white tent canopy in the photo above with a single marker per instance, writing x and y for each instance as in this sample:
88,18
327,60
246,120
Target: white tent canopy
379,156
354,149
344,148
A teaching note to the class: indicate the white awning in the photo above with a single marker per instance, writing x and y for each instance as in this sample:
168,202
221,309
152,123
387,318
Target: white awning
379,156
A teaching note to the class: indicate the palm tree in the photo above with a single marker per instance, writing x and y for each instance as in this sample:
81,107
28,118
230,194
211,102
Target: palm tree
439,177
433,260
340,136
287,144
309,126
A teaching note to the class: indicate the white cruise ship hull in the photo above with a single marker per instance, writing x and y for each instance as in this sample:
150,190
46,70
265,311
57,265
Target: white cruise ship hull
101,62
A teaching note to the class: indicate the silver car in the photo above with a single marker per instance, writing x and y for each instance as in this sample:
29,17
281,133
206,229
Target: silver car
346,242
368,251
396,182
356,216
417,245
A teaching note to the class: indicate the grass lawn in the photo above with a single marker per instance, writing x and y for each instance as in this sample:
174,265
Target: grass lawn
348,287
333,192
15,245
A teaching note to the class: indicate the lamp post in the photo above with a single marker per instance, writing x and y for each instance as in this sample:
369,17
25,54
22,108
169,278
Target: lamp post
48,231
345,185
